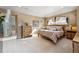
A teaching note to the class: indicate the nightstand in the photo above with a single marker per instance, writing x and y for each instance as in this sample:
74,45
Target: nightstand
70,34
75,43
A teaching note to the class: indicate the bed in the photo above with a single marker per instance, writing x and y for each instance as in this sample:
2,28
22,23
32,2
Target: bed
52,32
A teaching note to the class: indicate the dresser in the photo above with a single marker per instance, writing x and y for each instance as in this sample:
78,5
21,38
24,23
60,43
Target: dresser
75,43
26,31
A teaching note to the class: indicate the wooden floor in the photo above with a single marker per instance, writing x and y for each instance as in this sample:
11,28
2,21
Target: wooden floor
37,44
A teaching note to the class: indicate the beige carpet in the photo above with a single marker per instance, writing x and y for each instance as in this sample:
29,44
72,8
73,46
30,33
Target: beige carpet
37,44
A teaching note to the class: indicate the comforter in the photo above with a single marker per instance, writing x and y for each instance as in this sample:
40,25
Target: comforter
53,35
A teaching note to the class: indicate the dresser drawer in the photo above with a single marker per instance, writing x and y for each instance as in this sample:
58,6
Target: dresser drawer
26,31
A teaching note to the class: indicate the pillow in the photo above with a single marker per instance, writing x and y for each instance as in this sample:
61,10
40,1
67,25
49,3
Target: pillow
59,28
54,29
51,28
43,28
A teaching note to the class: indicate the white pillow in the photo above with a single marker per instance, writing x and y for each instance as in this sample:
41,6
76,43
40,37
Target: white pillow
59,28
51,28
54,29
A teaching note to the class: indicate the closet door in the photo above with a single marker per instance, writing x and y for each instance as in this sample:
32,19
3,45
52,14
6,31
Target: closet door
13,25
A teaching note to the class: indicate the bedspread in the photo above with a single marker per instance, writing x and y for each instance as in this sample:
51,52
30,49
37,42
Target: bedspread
53,35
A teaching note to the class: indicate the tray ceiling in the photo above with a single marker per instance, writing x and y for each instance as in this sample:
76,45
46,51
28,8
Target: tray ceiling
41,11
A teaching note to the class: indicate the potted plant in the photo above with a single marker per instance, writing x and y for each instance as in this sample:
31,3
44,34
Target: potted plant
1,25
1,19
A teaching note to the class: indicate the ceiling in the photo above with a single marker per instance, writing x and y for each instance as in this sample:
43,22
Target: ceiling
41,11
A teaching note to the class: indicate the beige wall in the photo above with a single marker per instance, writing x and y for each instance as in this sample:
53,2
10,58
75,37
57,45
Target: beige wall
78,19
71,16
40,19
2,14
22,18
2,11
27,18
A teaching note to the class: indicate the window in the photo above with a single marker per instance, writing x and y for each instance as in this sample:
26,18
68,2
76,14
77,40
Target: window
61,20
58,21
35,23
51,21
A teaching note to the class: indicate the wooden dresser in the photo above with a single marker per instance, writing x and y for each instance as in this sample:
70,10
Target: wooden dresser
26,31
76,43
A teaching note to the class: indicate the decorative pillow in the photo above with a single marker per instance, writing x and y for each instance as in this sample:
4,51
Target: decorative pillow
59,28
43,28
51,28
54,29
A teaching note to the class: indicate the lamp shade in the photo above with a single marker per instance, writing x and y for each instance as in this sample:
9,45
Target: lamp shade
74,28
